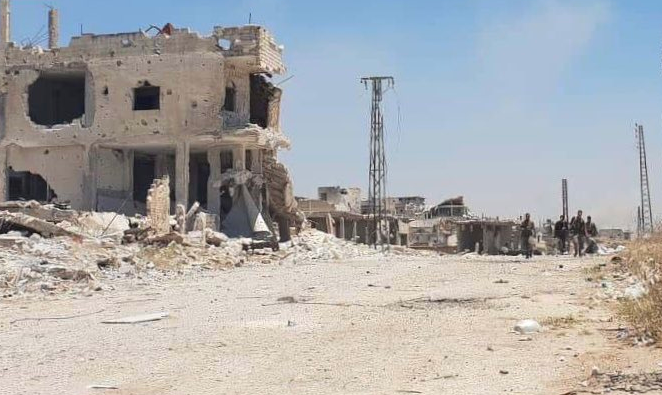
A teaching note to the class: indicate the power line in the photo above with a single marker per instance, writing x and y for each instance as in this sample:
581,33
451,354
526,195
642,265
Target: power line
377,168
564,198
646,213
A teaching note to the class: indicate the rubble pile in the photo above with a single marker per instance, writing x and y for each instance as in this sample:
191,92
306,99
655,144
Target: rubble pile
32,263
57,251
314,245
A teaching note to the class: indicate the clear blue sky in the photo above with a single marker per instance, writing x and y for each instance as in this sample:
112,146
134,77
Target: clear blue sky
499,100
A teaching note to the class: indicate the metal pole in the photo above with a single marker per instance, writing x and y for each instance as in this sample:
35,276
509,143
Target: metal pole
564,192
646,210
377,168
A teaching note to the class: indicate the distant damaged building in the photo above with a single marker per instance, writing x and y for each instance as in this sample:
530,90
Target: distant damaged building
450,208
401,206
95,122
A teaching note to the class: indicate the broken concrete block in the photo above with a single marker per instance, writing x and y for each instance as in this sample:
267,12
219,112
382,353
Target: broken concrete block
166,239
527,326
33,224
33,208
64,273
138,318
158,205
215,238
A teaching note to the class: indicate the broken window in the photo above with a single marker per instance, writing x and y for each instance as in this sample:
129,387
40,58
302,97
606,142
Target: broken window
226,202
224,44
249,160
227,161
198,177
24,185
260,95
144,172
230,103
146,97
57,97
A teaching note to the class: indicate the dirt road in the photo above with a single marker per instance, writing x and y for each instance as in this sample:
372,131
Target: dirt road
435,326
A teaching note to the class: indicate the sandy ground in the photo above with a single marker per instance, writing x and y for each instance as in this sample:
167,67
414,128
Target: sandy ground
363,327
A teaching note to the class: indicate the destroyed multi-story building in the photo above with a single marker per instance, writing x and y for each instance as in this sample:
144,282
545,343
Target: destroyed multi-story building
401,207
343,199
94,123
449,208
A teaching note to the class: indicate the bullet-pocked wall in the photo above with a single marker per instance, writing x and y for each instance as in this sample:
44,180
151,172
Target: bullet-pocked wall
66,178
190,93
86,94
126,108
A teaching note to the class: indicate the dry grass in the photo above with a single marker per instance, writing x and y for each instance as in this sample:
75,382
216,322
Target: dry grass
643,258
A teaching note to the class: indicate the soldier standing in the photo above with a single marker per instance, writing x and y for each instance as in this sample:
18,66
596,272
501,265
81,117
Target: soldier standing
591,234
528,229
578,229
561,234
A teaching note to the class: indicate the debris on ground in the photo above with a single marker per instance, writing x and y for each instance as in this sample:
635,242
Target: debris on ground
47,250
624,382
137,319
526,327
314,245
102,387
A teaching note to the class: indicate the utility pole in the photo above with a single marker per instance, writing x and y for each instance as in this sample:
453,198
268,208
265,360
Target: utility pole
53,28
564,198
646,211
377,171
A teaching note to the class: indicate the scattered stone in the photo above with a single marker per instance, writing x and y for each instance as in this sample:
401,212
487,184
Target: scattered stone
286,299
64,273
527,326
102,387
634,291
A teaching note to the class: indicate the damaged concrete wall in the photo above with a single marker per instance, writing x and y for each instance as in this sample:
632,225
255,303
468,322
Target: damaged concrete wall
138,107
158,206
63,168
191,88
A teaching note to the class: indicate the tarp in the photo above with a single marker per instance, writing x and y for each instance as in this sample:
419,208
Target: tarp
244,219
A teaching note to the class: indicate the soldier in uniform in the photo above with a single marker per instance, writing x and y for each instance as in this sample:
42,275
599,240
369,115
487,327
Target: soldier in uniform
578,229
528,229
591,234
561,234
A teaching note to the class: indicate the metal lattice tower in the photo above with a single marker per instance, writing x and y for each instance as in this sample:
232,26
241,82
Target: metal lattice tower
646,211
564,198
377,172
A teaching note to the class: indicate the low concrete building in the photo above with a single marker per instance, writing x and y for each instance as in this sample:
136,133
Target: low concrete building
407,207
433,234
614,234
491,237
95,122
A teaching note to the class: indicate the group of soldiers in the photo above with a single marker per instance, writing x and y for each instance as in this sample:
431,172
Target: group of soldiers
581,232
